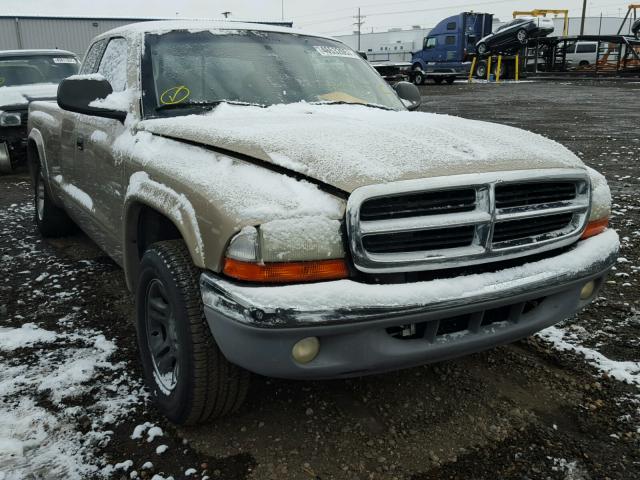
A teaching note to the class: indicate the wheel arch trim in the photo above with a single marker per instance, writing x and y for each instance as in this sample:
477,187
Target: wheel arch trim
176,208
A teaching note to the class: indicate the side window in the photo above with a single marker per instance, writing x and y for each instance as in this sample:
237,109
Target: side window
450,40
114,64
91,59
430,42
451,26
588,48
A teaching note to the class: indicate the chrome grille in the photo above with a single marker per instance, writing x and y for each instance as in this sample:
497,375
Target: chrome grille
459,220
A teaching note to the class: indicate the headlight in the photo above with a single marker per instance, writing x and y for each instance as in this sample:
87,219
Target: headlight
296,250
600,204
10,119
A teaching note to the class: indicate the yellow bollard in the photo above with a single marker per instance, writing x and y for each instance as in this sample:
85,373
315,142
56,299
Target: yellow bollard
489,58
517,68
473,69
498,69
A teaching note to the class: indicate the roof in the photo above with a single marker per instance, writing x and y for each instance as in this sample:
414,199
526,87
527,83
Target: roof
33,52
162,26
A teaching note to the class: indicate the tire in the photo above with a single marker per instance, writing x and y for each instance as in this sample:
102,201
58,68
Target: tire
583,63
482,49
481,70
51,220
522,36
438,80
189,378
450,80
418,78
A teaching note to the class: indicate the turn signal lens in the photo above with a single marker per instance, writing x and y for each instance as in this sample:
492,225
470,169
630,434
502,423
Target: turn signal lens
595,227
286,272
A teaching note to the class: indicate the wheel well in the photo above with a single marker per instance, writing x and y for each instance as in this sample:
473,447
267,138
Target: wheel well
416,66
145,226
33,158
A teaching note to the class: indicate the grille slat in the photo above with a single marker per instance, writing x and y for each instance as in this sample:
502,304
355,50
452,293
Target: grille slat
525,194
530,227
418,204
419,240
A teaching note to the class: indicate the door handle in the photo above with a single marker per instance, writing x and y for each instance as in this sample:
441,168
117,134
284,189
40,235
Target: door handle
80,142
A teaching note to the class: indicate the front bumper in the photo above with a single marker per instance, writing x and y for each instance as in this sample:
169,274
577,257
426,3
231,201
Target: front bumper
358,324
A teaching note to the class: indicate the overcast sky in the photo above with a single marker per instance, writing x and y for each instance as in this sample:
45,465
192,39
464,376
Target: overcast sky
322,16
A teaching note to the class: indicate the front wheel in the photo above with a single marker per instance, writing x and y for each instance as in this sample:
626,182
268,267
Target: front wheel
450,80
482,49
189,378
419,78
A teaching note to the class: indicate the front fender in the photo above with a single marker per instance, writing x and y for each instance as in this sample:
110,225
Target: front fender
36,139
145,192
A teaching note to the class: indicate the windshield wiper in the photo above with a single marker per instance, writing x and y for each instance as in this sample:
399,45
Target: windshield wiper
172,106
342,102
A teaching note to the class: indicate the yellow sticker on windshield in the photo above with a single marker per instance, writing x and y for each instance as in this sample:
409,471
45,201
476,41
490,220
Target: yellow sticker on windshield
175,95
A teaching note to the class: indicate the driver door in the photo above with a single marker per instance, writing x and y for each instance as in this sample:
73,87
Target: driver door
99,173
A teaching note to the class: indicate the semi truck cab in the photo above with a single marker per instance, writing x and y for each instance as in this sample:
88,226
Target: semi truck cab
445,51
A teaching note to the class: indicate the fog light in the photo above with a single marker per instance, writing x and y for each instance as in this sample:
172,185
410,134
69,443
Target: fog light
306,349
587,290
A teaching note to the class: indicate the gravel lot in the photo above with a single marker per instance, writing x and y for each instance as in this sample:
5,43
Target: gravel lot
553,406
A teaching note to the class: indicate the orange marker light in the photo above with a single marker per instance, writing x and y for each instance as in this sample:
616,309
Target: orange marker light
286,272
595,227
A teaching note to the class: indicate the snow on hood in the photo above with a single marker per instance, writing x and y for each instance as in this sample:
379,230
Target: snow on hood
23,94
349,146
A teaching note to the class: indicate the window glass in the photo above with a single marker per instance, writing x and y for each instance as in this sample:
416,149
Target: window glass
430,42
114,64
450,40
90,64
31,69
188,70
588,48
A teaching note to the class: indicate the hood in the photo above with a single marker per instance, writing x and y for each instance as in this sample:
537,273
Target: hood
20,95
349,146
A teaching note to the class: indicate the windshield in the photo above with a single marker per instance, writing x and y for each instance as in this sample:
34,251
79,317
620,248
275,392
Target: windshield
184,71
30,69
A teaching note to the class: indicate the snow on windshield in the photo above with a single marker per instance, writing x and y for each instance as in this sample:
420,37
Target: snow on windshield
263,68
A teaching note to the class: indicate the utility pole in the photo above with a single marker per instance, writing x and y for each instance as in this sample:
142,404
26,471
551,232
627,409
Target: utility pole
226,14
359,22
584,14
282,8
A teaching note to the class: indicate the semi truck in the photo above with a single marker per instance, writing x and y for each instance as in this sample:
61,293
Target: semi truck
448,49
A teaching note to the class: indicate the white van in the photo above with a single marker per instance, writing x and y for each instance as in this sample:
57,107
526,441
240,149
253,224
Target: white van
580,54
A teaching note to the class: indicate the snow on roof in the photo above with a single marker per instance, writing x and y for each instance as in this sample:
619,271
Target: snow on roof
163,26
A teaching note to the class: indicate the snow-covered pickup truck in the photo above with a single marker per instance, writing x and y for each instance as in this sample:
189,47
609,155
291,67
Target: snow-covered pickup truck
276,209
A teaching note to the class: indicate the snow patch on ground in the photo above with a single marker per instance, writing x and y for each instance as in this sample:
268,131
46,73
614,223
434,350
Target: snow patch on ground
25,336
628,372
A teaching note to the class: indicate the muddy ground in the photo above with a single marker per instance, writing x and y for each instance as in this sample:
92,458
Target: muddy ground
523,411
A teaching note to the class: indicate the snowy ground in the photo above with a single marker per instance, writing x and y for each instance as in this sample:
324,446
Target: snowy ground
564,404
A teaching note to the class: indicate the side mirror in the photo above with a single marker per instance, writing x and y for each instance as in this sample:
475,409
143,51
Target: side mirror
76,95
409,94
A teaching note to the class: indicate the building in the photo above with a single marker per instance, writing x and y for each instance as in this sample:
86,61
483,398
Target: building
65,33
397,44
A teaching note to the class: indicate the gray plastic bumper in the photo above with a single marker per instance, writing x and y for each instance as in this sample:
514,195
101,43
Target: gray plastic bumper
354,341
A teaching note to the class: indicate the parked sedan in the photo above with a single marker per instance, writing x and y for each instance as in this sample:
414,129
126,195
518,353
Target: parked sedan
26,75
513,35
